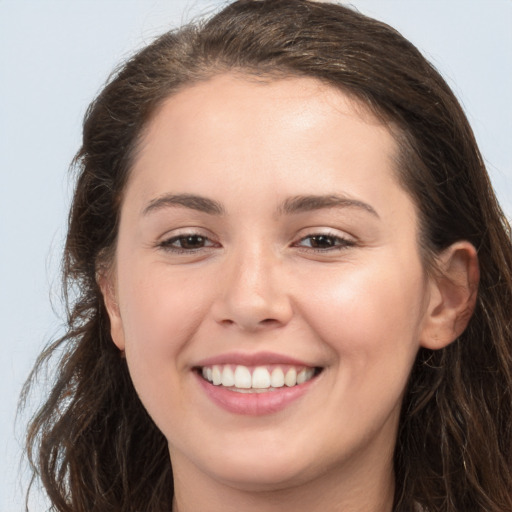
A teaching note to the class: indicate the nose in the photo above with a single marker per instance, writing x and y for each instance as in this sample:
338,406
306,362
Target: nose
253,294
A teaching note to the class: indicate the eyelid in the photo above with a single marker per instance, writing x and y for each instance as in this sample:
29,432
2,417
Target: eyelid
342,240
165,242
185,231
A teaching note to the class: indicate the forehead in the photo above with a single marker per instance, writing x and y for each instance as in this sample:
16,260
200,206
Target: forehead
222,100
239,110
278,138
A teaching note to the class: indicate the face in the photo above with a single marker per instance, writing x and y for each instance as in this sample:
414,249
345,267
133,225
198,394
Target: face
268,288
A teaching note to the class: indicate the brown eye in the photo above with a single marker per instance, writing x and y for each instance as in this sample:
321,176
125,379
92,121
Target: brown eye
322,241
186,242
191,242
325,242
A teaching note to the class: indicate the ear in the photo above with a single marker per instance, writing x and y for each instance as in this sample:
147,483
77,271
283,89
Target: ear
106,282
453,292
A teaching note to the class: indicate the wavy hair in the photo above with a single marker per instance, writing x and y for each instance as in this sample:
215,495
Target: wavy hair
93,445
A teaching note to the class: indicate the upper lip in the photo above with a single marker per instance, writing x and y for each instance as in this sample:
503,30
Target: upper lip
255,359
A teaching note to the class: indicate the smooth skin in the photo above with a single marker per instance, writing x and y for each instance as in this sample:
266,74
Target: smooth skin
248,266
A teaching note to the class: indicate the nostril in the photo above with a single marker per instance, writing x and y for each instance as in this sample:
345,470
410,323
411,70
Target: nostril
267,322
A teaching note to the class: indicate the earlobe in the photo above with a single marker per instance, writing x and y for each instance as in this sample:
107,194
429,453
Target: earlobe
453,294
108,290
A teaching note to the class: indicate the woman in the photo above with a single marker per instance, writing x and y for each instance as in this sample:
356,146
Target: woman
294,281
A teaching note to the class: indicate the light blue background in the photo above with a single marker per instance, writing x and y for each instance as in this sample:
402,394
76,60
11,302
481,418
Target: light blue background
54,57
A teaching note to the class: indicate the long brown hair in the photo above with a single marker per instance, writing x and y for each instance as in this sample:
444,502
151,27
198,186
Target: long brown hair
92,443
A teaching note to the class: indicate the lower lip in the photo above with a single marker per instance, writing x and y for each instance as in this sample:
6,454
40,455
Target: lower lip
254,404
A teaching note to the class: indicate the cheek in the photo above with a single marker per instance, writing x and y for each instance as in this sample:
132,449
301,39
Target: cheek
161,311
370,318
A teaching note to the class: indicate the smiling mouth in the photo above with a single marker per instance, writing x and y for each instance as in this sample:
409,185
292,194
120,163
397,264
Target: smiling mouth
257,379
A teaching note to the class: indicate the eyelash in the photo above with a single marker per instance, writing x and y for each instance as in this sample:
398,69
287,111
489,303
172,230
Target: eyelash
167,244
337,243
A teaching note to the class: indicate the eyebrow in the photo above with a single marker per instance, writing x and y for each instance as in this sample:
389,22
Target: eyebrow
292,205
299,204
194,202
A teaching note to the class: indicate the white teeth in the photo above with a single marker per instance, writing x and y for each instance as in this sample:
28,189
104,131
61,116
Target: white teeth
228,377
305,375
216,376
290,379
260,378
277,378
301,377
243,377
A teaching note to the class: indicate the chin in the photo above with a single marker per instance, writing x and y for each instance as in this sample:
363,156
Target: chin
264,476
269,464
